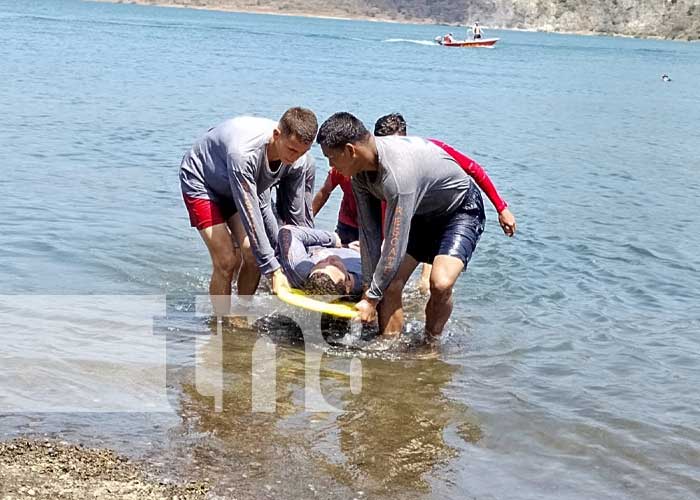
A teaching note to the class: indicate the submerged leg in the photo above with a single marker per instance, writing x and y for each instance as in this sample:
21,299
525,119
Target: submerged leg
391,307
446,270
249,275
224,265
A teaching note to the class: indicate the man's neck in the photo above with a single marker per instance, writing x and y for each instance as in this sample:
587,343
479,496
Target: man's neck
273,157
370,156
272,151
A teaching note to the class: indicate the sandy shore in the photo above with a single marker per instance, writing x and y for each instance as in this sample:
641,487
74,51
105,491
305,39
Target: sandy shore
58,470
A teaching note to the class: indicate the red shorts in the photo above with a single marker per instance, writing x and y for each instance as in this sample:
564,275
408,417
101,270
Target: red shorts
205,213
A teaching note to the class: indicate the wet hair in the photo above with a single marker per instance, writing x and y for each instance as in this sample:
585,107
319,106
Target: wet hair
322,284
391,124
300,122
341,129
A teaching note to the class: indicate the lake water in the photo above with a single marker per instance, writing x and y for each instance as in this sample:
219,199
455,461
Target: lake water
570,368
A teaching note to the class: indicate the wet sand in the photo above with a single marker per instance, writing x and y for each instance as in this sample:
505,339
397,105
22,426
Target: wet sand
48,469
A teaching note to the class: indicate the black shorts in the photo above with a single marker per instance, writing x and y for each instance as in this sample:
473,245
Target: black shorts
455,234
347,233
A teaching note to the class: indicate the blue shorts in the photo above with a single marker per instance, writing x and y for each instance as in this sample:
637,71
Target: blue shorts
455,234
347,233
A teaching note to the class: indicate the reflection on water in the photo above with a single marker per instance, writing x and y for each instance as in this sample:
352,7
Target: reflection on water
393,432
388,438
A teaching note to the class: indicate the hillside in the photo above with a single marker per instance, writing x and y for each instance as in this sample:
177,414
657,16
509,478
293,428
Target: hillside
674,19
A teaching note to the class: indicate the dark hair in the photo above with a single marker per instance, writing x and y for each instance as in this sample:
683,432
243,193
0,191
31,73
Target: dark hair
300,122
341,129
391,124
322,284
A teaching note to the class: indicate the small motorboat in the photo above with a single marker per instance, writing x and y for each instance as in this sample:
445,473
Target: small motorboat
479,42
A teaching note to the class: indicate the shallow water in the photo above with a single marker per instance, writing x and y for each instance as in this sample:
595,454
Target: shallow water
570,367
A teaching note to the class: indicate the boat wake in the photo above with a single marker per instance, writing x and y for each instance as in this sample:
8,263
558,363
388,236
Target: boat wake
405,40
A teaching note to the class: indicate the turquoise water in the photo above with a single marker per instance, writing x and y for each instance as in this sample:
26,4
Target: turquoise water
570,367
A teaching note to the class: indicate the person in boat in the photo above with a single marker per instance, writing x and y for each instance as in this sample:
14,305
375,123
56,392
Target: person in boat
434,214
316,262
665,78
476,31
222,177
448,38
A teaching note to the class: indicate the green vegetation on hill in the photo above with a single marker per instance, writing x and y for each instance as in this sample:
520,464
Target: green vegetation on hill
678,19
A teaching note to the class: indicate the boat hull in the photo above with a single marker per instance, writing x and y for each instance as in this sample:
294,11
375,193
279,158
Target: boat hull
479,42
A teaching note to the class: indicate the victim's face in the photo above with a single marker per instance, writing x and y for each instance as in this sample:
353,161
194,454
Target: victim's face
332,266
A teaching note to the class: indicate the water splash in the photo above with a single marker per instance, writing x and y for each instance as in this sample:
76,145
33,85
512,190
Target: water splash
406,40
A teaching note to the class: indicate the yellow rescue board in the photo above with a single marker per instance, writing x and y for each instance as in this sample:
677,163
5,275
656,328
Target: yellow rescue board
295,297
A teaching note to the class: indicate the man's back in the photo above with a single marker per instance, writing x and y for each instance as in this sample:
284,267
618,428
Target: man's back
422,173
236,144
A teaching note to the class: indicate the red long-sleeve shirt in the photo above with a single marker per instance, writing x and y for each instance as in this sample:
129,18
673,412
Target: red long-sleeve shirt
476,172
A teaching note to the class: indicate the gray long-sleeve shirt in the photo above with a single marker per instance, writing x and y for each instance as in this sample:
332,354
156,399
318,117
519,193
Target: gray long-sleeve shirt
230,163
282,204
301,248
273,218
415,177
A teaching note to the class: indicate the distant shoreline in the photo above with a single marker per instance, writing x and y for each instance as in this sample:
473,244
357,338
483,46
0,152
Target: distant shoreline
359,17
271,12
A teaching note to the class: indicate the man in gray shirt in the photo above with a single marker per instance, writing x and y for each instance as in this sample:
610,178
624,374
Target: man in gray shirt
434,214
223,177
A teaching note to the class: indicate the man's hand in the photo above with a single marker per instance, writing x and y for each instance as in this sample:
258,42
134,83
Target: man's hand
279,281
354,245
507,221
338,242
368,310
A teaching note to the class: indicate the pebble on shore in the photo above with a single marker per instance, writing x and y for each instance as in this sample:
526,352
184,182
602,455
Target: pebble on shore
47,469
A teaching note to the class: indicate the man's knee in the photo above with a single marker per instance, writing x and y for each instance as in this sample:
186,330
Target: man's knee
441,285
226,264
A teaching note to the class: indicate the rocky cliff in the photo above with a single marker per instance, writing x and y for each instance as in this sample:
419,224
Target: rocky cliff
676,19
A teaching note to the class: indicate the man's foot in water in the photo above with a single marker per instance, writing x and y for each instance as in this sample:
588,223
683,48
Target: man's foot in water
384,342
228,323
432,339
